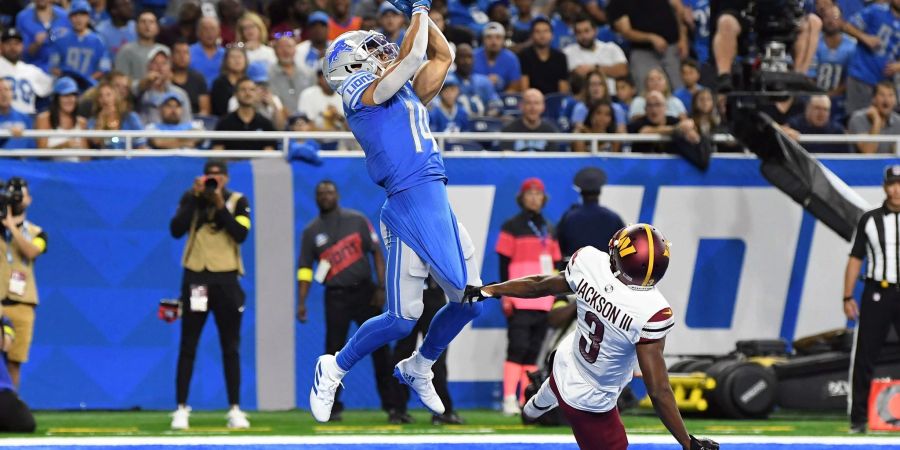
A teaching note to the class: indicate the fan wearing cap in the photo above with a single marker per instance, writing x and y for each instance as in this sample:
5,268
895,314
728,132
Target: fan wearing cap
526,246
206,53
28,80
82,52
447,113
119,29
62,116
875,244
170,114
157,85
587,222
268,105
132,57
499,64
310,51
391,22
41,23
13,120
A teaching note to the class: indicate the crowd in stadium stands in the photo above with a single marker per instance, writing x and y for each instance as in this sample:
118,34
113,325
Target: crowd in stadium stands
571,66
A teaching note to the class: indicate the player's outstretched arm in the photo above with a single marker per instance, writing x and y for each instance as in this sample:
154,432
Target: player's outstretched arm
408,62
534,286
430,77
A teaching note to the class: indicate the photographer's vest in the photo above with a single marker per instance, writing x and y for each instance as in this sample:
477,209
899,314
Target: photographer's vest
15,262
213,249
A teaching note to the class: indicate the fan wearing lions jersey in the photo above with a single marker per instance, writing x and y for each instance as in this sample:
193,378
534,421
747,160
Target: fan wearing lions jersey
622,319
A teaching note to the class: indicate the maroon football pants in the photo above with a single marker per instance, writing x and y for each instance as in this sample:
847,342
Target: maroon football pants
593,431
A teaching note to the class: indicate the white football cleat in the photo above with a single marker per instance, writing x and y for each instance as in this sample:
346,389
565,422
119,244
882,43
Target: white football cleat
237,419
419,379
511,406
325,383
180,418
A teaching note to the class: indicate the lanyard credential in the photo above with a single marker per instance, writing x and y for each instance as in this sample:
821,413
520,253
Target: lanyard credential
539,232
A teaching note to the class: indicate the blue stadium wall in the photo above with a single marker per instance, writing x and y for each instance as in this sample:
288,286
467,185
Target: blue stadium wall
747,262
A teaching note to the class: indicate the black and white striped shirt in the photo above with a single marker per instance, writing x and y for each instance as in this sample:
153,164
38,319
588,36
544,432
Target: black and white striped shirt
877,241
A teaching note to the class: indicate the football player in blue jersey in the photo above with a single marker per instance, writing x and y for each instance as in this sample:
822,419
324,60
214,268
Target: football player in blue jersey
385,90
877,32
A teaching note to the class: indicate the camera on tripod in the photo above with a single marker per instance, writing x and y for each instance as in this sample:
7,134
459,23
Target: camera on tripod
12,196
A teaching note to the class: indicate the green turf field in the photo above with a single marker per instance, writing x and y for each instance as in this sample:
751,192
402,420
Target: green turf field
203,423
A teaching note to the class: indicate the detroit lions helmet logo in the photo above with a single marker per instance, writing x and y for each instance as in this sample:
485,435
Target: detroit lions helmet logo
339,46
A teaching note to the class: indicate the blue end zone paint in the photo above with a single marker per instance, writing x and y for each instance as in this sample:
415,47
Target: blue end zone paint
717,272
798,277
648,204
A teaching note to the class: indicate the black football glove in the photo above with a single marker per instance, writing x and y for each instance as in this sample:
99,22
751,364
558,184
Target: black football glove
473,293
703,444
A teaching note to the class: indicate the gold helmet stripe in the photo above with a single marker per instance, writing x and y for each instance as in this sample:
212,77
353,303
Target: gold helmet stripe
651,250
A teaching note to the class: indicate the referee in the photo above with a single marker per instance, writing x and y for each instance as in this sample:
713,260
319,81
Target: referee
877,240
338,243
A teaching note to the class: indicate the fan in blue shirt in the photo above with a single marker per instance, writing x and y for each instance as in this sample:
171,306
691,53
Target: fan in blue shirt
877,30
208,64
119,29
701,40
467,14
832,60
37,36
499,64
477,93
13,120
447,113
80,52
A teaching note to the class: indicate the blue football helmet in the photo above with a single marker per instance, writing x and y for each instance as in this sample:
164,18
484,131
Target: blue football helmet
353,51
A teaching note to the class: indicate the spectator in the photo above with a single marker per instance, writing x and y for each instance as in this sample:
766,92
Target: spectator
61,116
207,54
467,14
233,68
110,112
171,119
288,16
23,242
877,56
132,57
246,118
879,118
543,67
817,120
391,22
216,223
656,121
522,22
626,91
119,29
99,11
185,27
656,37
600,119
656,82
252,31
312,50
588,53
189,79
123,87
531,122
28,80
587,223
447,112
498,11
705,115
156,85
40,24
690,75
526,246
832,61
454,33
341,21
80,53
477,92
497,63
229,12
15,417
268,105
696,17
596,91
286,79
13,121
323,106
567,12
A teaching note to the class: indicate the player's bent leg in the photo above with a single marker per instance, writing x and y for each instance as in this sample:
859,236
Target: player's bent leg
593,431
541,402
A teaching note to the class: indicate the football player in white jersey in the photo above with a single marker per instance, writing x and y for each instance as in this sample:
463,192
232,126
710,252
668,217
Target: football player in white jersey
622,319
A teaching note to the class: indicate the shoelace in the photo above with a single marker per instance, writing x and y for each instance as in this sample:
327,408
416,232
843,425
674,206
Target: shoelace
329,399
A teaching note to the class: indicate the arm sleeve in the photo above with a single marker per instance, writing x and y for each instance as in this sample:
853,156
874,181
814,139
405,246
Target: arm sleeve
659,325
238,225
182,220
408,66
859,239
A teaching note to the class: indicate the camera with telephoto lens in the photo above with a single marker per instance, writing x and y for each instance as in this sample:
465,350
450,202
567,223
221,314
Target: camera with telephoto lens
12,196
210,184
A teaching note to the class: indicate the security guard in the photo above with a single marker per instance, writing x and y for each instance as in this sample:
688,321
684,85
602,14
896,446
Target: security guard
587,223
877,240
338,244
22,243
216,221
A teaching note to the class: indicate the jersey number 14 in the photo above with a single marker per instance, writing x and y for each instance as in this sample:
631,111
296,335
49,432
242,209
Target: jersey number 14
418,125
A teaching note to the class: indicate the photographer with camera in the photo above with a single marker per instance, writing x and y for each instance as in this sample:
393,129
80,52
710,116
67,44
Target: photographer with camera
22,243
216,221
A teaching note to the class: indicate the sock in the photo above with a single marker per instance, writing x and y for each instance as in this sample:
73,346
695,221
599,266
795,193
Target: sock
524,381
422,361
447,323
511,374
373,334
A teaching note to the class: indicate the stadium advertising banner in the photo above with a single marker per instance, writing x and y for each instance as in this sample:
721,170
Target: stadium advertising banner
746,263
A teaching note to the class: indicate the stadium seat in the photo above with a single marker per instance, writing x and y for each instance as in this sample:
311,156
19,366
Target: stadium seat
511,104
486,125
209,122
555,106
464,146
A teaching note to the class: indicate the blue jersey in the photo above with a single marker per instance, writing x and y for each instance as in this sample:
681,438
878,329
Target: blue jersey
29,26
208,67
829,66
701,39
478,95
877,20
15,119
113,37
506,67
84,55
454,120
563,34
467,16
400,151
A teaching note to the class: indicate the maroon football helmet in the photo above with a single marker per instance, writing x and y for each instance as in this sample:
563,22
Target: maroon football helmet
639,255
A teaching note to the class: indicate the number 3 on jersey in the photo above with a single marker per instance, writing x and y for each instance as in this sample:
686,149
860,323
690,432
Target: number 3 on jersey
418,124
591,349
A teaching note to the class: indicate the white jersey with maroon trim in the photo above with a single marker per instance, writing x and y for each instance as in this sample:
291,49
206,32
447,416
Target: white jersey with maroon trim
596,361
